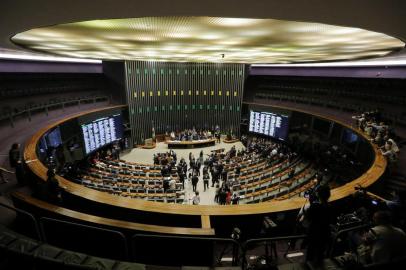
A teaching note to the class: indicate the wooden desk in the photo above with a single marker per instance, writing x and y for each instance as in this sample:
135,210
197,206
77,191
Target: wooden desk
191,144
206,229
231,141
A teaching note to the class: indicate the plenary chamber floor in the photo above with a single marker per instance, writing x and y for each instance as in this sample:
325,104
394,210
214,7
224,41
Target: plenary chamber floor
146,156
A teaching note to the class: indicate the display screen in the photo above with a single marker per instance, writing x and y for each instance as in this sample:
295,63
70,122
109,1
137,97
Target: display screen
270,124
53,138
349,136
102,131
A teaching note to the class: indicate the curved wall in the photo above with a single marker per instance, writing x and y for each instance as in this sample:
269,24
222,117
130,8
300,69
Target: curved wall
222,218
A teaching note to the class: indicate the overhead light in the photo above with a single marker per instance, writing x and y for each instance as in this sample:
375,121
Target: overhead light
33,57
199,39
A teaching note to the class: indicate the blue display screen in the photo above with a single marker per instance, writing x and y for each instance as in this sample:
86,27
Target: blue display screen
270,124
53,138
102,131
349,136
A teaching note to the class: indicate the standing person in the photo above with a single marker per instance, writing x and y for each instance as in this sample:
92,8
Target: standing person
217,135
182,179
228,197
317,221
195,180
235,199
14,155
216,197
196,198
20,172
214,176
53,190
206,179
205,170
201,157
222,196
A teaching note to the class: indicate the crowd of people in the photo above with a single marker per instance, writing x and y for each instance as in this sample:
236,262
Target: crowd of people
214,168
382,239
380,133
195,134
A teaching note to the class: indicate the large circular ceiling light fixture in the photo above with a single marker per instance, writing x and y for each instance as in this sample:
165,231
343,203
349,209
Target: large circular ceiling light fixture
208,39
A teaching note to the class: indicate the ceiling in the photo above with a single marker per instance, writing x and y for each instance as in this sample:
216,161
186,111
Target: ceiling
386,17
208,39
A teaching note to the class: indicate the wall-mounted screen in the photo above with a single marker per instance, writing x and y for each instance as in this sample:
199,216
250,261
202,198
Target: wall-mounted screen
53,138
349,136
270,124
102,131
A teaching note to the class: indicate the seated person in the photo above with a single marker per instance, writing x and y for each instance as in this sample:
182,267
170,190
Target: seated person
389,153
385,242
196,198
172,184
172,136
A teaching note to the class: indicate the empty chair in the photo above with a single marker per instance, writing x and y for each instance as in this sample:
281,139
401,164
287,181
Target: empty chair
171,200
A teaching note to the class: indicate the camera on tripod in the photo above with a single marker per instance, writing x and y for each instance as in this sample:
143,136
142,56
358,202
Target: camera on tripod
311,194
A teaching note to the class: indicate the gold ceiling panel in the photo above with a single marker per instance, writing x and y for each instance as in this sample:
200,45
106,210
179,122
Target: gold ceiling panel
208,39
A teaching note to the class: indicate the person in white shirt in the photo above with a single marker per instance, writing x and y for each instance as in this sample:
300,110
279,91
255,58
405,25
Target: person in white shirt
393,146
386,241
196,198
172,184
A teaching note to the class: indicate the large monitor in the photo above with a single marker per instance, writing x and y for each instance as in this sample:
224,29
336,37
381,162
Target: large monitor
270,124
102,131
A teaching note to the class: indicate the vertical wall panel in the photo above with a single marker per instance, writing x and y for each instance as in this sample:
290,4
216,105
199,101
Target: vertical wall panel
154,95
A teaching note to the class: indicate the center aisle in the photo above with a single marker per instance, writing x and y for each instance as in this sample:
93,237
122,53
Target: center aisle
146,156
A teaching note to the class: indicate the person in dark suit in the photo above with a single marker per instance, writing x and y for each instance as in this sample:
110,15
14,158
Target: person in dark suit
182,178
53,190
317,218
206,179
14,155
195,180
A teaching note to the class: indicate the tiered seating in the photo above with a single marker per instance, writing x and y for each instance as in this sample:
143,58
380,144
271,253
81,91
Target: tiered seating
260,177
279,184
349,94
25,94
131,180
297,191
